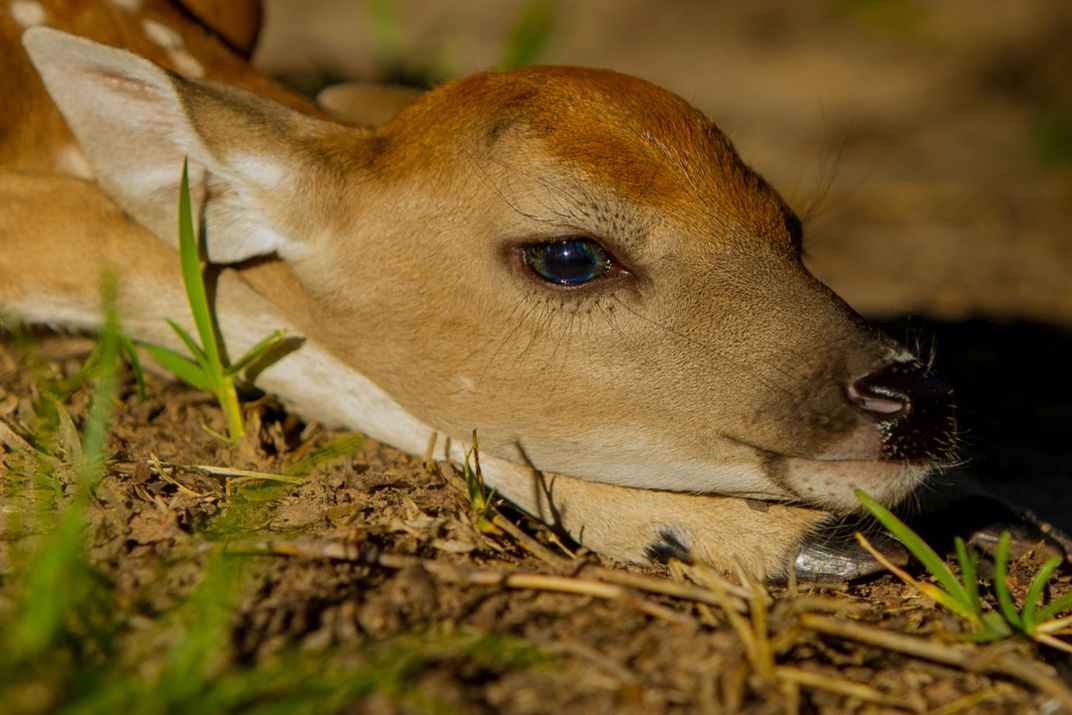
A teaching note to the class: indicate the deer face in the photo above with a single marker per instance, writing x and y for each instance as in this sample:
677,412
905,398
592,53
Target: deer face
578,264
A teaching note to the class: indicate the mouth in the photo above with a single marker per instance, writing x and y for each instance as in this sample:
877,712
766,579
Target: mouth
859,461
825,484
831,484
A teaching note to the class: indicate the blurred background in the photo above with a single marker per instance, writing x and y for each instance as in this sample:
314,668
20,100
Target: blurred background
927,146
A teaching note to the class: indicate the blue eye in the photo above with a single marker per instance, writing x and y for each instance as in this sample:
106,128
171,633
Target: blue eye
571,262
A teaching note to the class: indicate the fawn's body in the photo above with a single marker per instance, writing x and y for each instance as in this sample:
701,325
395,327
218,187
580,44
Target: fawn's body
574,262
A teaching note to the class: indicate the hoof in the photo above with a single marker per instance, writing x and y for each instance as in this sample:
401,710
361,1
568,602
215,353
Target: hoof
843,559
979,519
1028,534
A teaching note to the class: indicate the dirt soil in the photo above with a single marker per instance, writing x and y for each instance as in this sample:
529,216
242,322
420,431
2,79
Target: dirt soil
936,142
375,545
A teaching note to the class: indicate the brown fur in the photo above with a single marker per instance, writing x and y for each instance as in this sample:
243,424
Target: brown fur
710,363
238,22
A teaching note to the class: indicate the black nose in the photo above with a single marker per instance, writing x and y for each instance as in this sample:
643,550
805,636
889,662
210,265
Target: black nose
913,408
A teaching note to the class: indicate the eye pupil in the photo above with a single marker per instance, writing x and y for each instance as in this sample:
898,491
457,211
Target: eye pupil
570,262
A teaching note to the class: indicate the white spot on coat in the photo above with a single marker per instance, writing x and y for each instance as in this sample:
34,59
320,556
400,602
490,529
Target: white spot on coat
129,5
71,160
28,13
168,38
162,35
185,64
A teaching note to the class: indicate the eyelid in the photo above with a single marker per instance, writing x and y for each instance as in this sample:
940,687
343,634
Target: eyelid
619,258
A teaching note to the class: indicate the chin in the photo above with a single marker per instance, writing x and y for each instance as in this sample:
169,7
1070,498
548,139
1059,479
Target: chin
831,485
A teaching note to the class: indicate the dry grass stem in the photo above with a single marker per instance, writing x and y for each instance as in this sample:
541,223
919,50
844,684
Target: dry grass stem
703,574
889,565
164,473
10,439
454,574
980,659
967,702
210,471
841,686
737,622
530,544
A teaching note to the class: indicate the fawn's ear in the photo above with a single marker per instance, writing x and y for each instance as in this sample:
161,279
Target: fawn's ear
136,122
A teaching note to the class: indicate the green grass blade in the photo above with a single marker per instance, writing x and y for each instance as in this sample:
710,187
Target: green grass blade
191,345
343,446
53,586
1051,610
530,34
190,258
993,627
227,396
208,613
1001,586
1034,592
949,601
253,353
59,577
386,30
968,574
101,406
917,546
183,368
135,364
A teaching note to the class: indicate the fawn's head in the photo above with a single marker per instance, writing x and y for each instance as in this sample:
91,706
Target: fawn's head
572,261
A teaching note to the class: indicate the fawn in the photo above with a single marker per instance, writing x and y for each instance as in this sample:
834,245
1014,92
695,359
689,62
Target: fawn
574,262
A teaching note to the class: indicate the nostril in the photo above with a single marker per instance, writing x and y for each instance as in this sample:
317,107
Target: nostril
898,389
870,396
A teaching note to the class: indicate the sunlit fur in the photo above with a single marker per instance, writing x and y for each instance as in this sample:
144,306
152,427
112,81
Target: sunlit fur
711,363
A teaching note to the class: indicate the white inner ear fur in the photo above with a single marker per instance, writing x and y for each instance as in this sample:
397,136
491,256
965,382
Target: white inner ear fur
236,231
135,128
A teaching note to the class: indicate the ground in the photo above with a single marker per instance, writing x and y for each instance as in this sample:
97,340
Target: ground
933,146
371,558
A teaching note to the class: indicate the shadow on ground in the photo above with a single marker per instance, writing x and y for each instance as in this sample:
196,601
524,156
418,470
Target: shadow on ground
1014,397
